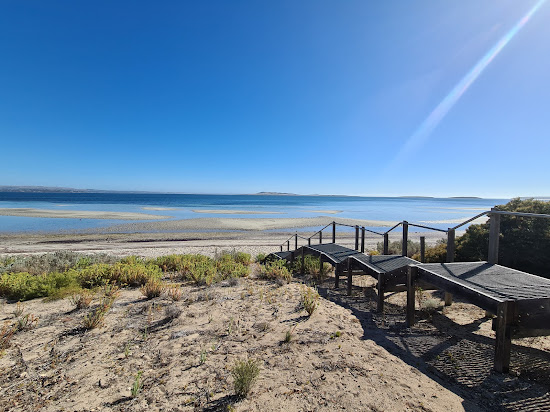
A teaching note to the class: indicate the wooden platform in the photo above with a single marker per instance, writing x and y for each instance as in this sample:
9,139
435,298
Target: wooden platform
521,301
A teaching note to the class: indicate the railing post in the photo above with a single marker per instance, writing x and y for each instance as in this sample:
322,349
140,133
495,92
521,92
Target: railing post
333,232
386,243
296,242
281,248
404,245
320,236
494,234
422,249
448,297
309,241
356,237
362,240
450,245
288,245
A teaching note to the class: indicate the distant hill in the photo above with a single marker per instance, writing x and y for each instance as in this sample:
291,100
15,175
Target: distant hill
49,189
275,194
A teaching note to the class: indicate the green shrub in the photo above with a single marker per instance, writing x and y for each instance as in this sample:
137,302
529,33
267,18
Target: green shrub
245,374
395,247
311,266
124,274
260,257
153,289
309,300
25,286
276,271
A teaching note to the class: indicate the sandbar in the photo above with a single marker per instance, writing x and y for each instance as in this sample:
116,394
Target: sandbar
159,208
235,212
77,214
327,212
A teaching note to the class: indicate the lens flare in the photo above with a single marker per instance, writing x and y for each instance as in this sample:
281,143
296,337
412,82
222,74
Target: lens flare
422,133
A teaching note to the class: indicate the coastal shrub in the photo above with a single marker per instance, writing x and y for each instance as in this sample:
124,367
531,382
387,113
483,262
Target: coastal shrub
311,266
153,289
244,373
95,318
276,271
434,254
309,299
60,261
524,241
25,286
82,299
174,292
260,257
123,274
395,247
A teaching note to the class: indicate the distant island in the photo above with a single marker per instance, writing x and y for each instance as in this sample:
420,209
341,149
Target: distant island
55,189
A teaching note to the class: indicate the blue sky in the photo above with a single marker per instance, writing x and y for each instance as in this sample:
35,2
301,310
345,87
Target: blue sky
292,96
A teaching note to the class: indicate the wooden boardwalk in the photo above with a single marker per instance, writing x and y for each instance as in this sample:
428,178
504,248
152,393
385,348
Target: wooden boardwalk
521,301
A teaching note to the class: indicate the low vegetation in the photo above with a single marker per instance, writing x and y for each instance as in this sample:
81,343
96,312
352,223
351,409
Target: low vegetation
244,373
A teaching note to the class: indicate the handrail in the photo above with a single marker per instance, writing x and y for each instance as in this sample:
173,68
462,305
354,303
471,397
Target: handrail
470,220
428,227
522,214
372,231
389,230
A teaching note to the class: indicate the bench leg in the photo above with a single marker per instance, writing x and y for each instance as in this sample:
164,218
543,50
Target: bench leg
350,275
337,277
412,274
380,290
503,344
448,299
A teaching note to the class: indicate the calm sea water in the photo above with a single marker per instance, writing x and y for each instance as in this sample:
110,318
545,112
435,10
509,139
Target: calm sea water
436,212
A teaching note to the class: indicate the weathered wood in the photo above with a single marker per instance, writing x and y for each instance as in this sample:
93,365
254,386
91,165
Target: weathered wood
350,276
503,344
356,237
412,274
362,240
404,244
333,232
386,243
423,249
450,245
494,235
533,313
380,287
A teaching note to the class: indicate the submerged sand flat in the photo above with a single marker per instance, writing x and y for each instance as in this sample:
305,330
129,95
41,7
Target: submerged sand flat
235,212
326,212
77,214
159,208
226,223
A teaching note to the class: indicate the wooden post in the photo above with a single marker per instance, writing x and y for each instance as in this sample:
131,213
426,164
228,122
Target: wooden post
281,248
303,262
503,345
450,245
337,276
422,249
494,234
448,297
333,232
320,236
288,245
356,237
386,243
380,290
296,242
404,244
362,240
350,274
309,241
412,274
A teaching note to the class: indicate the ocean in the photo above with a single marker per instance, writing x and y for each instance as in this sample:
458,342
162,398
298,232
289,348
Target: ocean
437,212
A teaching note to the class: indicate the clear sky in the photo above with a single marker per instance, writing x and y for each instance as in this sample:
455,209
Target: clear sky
387,97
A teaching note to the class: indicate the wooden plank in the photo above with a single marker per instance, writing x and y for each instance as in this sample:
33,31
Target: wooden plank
503,345
533,313
494,236
412,274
